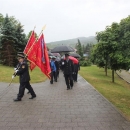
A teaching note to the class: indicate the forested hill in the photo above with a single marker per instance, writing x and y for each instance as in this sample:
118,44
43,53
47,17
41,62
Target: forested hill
73,42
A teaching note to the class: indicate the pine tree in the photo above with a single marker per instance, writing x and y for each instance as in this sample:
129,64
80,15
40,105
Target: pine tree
12,40
20,38
7,42
79,48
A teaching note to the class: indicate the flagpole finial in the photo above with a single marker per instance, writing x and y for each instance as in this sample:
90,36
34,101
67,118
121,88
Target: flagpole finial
44,27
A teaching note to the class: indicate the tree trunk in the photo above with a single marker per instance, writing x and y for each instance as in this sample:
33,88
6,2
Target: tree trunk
106,66
7,56
113,76
106,69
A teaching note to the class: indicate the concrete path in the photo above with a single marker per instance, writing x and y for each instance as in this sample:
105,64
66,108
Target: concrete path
124,75
56,108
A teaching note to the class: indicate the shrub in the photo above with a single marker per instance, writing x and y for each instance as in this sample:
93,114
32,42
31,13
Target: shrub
85,63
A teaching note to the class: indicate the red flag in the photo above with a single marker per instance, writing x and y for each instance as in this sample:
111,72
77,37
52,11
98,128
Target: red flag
29,44
32,56
42,60
32,66
29,50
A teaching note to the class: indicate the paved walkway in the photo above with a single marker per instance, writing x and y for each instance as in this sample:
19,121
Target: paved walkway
124,75
56,108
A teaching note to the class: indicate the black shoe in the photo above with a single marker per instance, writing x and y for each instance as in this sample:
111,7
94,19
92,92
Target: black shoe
51,82
15,100
68,88
32,97
18,95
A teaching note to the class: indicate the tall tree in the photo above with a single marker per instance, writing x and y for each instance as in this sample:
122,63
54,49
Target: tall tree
79,48
83,48
20,38
7,42
13,40
112,41
103,49
88,48
124,43
1,21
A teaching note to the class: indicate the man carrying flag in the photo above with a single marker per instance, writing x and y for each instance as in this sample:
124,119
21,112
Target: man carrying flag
37,53
24,78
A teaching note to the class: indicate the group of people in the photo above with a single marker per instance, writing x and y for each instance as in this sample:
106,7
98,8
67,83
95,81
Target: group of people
70,70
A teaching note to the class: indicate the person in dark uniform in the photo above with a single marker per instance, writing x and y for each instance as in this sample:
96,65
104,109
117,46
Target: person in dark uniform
57,68
18,65
24,78
76,69
68,69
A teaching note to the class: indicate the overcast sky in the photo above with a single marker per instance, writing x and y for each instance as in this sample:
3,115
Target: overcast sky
66,19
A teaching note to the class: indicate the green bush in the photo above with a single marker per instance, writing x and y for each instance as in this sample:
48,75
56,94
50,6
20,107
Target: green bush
85,63
89,63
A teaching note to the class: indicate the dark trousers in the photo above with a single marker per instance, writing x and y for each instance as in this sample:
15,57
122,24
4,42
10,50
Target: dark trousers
68,80
57,73
22,87
75,76
61,67
52,76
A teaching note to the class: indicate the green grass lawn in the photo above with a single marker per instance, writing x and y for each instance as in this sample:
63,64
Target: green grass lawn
117,93
7,72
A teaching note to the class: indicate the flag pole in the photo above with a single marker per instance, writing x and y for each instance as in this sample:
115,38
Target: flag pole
36,40
29,38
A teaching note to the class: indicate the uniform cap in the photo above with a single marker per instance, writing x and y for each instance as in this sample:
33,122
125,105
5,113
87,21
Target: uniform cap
50,57
20,53
66,54
20,56
53,57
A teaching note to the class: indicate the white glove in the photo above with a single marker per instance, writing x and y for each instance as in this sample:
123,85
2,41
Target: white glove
13,76
15,69
63,63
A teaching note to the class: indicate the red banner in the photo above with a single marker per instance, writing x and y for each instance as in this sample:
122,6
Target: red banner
32,56
42,60
29,44
32,66
28,50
